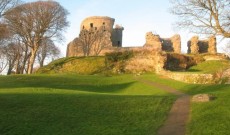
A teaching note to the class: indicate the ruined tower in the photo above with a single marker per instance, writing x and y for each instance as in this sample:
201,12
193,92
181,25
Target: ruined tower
107,24
112,37
97,22
117,36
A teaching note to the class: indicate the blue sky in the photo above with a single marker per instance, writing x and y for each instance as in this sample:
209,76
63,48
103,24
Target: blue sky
137,17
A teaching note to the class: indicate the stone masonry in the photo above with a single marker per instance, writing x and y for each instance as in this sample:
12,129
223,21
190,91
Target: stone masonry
196,46
172,44
113,36
113,39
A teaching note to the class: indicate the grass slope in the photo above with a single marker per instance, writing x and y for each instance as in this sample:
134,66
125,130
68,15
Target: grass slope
77,104
85,105
206,118
77,65
212,66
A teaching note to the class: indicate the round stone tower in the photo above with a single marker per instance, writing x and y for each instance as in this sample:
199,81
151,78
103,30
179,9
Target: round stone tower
98,22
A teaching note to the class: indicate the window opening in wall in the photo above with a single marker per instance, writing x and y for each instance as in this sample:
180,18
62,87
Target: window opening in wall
119,43
91,25
83,27
103,23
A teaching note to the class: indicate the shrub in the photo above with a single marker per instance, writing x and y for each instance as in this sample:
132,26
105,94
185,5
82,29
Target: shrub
176,62
115,61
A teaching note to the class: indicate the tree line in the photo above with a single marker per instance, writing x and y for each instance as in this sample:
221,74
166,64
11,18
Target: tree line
28,32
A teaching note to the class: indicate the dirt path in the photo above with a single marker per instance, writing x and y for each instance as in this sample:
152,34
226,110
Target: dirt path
178,116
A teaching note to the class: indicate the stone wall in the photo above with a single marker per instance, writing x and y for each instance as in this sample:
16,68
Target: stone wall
73,49
97,22
212,45
141,60
176,41
172,44
196,46
191,78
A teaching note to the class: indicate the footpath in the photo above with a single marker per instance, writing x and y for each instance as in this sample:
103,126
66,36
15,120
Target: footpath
178,116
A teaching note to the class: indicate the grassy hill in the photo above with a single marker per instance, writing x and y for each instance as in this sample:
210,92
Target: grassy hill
95,104
84,105
77,65
119,60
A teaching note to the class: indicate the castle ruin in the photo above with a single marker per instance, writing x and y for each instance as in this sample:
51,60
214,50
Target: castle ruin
112,36
172,44
112,39
196,46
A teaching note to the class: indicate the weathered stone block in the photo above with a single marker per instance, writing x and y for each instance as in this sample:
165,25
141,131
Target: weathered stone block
202,98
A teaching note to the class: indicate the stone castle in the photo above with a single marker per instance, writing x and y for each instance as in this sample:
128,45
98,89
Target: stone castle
113,35
113,39
107,23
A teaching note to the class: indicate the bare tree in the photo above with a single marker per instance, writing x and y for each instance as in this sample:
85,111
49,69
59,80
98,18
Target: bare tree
12,55
203,16
34,21
93,41
47,50
103,41
3,62
6,5
4,32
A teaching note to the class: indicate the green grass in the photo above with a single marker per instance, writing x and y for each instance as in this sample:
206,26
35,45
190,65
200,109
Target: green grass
76,65
210,118
85,105
210,66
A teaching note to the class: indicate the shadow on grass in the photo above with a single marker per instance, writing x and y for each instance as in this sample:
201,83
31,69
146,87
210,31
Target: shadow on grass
193,70
200,89
66,83
78,114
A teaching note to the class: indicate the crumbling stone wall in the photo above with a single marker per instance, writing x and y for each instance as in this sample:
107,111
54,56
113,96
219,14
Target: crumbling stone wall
176,41
167,45
172,44
212,45
196,46
153,41
193,45
73,49
97,22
